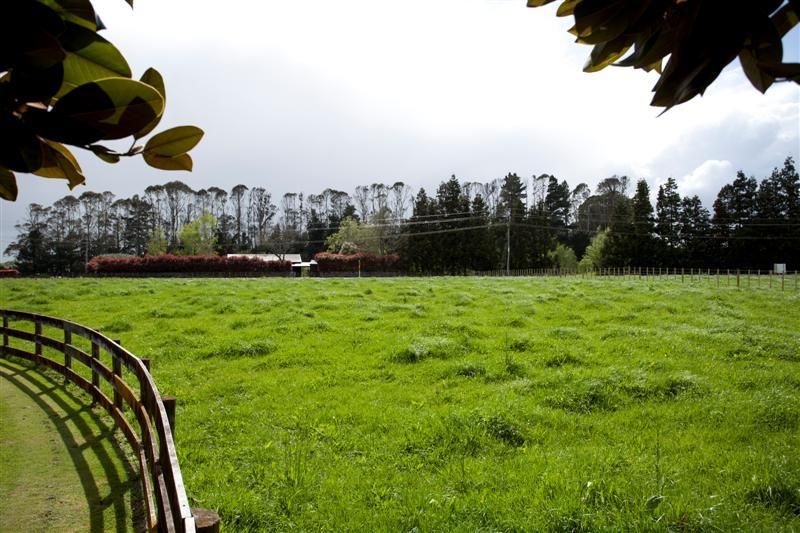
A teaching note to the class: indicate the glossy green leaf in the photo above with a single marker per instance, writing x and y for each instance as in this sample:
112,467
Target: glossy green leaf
78,12
567,8
116,107
106,154
89,58
59,163
537,3
606,53
152,78
181,162
174,141
8,185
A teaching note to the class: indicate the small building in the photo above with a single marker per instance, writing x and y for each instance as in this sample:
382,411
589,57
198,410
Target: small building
299,267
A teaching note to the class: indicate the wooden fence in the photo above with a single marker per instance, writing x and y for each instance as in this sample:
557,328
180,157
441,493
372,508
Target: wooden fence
728,277
165,502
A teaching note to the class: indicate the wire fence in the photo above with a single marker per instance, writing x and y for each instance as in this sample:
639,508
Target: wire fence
738,278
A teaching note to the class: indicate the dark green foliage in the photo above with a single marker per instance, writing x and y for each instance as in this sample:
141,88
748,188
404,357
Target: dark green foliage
699,38
64,83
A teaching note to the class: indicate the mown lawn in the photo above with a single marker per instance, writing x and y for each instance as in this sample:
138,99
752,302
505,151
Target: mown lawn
467,403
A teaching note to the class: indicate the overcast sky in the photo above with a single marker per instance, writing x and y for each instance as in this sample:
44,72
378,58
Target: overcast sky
301,96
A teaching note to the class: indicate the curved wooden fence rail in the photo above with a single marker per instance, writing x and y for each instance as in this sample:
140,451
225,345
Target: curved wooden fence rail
165,501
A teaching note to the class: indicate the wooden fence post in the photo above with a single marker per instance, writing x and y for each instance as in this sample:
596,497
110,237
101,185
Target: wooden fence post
95,374
170,403
117,369
67,356
737,278
205,521
38,333
5,326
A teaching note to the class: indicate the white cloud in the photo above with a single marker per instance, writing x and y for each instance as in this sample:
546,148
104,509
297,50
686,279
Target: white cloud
706,180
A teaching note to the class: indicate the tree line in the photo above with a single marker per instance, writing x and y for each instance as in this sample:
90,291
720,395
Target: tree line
513,222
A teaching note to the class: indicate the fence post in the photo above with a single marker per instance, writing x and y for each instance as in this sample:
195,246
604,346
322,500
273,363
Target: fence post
737,278
770,279
170,403
5,326
95,374
718,278
67,356
681,274
783,276
38,333
117,369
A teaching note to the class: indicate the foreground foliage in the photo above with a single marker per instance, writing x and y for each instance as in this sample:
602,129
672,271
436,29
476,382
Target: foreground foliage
699,38
467,404
61,83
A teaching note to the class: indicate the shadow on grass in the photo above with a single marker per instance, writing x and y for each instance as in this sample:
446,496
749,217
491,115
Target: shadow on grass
69,412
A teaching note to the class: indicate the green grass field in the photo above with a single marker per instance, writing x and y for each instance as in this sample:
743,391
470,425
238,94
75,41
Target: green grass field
467,403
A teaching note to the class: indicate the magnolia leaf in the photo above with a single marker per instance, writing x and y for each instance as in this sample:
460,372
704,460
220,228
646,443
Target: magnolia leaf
78,12
567,8
606,53
108,158
152,78
106,154
783,71
116,107
20,148
8,185
174,141
89,58
59,163
180,162
760,79
537,3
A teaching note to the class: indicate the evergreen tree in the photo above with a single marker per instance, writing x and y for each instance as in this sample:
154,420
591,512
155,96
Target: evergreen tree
668,211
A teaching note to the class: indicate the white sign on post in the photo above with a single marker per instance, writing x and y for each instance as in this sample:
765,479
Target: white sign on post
780,268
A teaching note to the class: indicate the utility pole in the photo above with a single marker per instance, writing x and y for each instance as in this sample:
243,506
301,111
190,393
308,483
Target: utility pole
508,242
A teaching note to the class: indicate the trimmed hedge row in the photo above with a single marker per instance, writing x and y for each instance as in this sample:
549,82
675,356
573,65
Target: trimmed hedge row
328,262
9,272
160,264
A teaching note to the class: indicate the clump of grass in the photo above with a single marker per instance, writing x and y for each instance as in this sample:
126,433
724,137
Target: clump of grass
227,308
240,324
428,348
518,322
586,397
470,370
504,430
782,498
561,359
462,299
519,344
243,349
512,367
118,326
565,333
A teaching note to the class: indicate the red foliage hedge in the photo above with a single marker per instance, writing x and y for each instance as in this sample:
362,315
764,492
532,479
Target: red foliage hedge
9,272
161,264
328,262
